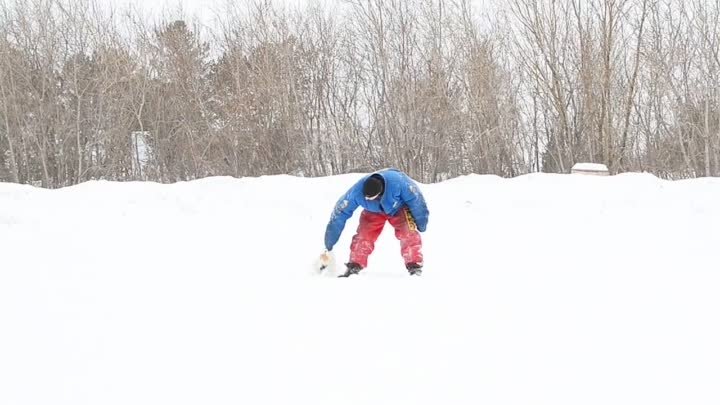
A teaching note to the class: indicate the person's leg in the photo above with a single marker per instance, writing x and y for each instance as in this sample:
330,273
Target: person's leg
409,237
363,243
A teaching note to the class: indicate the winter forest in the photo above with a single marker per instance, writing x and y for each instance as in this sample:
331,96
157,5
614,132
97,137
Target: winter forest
438,88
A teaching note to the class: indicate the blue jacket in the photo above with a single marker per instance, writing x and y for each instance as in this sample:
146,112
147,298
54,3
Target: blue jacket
400,191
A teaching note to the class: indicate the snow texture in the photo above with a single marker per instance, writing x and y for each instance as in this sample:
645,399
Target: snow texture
590,167
541,289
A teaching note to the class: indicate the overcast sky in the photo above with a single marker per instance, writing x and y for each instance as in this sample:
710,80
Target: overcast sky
207,9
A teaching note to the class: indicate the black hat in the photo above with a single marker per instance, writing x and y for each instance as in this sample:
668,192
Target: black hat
373,186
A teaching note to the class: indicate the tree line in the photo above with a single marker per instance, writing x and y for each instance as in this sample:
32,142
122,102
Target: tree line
437,88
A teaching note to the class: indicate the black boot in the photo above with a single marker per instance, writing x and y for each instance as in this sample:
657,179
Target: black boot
352,268
414,269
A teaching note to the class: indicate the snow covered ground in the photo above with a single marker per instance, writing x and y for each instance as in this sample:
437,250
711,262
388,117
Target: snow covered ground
542,289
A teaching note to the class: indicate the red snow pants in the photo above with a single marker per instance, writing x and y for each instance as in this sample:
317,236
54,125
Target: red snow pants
371,224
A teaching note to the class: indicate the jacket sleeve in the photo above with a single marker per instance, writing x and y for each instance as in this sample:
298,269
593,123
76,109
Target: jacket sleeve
415,201
343,210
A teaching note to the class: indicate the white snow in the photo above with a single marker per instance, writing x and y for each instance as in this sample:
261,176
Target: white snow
542,289
590,167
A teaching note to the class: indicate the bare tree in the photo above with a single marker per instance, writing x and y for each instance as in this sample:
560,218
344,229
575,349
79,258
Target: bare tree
423,85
